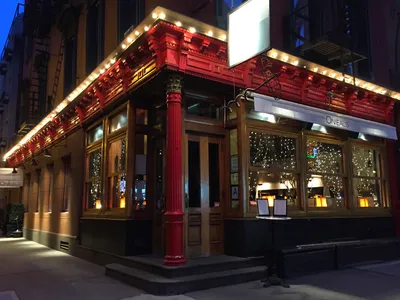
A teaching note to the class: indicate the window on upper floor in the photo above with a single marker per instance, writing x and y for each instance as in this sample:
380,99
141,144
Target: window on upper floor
130,13
94,35
69,65
223,7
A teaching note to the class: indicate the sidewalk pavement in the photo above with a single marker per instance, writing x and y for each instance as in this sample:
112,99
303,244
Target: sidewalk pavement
29,271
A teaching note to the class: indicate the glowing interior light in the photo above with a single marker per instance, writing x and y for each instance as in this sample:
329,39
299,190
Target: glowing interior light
129,39
324,72
123,46
137,32
210,33
223,37
285,58
179,24
162,16
154,15
146,28
315,69
296,62
192,29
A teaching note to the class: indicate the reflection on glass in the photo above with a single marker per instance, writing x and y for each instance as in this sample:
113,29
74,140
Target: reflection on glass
324,157
272,151
94,186
325,191
141,172
213,169
280,185
159,175
367,192
366,162
194,174
95,134
118,121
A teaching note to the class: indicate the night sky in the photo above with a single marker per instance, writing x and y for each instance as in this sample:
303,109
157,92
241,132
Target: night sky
7,10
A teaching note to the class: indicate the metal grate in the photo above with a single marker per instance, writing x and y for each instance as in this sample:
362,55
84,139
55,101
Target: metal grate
64,245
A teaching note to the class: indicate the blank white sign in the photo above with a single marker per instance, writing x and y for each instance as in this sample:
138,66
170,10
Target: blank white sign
248,31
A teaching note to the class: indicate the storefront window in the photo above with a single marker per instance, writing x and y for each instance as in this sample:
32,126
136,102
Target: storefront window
272,172
367,182
234,169
117,173
95,135
140,196
325,187
94,179
118,121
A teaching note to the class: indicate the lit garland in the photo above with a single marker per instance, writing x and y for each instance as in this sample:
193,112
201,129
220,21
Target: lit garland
95,173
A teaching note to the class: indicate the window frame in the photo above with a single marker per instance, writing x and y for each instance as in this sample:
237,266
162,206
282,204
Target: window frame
329,139
112,137
66,160
90,148
382,179
50,192
296,171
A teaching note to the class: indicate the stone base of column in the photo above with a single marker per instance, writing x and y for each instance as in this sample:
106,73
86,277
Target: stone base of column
174,226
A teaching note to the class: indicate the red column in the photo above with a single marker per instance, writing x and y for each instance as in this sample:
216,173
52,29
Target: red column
174,213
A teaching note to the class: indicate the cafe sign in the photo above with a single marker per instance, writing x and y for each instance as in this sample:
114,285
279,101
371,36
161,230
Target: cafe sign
8,179
291,110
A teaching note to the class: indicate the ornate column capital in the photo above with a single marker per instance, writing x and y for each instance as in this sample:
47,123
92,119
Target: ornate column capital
174,83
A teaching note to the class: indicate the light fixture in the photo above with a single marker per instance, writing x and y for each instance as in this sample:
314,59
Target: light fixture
146,28
315,69
296,62
34,162
137,33
14,171
223,37
177,23
324,72
285,58
155,16
162,16
210,33
192,29
47,153
123,46
129,39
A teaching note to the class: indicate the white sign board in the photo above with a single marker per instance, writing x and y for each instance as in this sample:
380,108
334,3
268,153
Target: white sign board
248,31
9,179
291,110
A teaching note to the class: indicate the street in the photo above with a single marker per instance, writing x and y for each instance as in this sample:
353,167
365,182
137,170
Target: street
29,271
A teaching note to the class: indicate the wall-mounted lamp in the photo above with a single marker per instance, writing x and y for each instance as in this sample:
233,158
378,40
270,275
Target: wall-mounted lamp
47,153
34,162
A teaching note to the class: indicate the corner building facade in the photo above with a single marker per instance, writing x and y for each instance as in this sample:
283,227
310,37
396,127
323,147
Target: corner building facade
144,151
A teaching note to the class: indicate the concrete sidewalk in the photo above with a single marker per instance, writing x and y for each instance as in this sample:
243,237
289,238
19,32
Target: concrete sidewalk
29,271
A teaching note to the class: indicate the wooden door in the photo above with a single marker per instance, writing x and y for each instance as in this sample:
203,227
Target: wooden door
204,190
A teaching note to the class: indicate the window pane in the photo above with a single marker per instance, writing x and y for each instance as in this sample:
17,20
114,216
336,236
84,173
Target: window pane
95,164
95,134
194,174
141,172
325,191
367,192
117,190
118,121
203,108
272,151
213,170
117,156
366,162
324,157
276,185
94,193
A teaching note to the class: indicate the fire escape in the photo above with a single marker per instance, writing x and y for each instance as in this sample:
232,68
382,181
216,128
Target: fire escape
38,18
330,32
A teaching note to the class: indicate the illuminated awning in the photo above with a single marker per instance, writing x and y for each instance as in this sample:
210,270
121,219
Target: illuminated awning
291,110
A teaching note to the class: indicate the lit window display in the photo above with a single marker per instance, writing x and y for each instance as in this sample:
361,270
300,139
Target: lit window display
140,196
118,121
324,180
272,151
117,173
272,157
367,182
94,179
270,186
95,135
